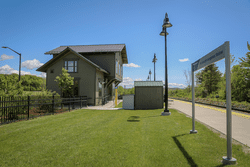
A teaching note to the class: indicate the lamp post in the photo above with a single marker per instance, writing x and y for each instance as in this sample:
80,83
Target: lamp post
19,60
166,24
150,74
154,61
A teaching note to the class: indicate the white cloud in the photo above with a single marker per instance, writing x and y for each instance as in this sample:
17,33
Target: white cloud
128,82
131,65
8,70
183,60
175,85
6,57
42,74
31,64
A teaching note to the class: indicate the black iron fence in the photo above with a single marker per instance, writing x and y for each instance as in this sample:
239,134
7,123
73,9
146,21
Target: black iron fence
24,107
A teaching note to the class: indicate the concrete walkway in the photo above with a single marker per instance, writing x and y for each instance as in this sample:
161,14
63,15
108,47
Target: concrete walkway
216,118
109,106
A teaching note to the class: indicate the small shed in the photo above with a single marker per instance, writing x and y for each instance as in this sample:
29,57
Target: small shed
148,94
128,102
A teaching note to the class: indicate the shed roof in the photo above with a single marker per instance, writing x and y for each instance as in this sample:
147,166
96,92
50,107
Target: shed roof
148,83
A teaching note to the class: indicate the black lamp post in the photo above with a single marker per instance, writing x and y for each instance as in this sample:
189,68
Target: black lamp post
154,61
150,74
19,60
166,24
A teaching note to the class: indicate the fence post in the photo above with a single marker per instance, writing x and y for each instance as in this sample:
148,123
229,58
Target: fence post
73,106
53,104
61,101
69,103
28,107
1,108
80,102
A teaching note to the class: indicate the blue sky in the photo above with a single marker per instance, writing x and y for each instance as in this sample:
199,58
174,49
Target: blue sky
35,27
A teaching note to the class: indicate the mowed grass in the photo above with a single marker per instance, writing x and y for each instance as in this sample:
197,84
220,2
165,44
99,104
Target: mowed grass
113,138
119,105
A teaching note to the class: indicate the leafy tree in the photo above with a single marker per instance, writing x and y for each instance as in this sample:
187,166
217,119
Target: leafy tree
241,79
222,88
188,76
65,83
208,80
245,62
120,90
10,85
239,84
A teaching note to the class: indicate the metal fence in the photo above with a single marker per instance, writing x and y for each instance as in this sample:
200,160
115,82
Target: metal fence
25,107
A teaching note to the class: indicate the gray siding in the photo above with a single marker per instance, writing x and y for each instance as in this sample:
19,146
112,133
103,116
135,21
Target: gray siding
119,58
106,61
148,97
86,73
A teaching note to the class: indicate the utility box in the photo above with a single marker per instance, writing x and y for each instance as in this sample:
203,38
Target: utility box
128,102
148,94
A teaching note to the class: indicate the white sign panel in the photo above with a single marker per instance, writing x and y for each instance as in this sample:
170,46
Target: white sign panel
214,56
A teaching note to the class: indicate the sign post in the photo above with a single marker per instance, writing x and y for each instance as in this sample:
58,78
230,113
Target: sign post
217,54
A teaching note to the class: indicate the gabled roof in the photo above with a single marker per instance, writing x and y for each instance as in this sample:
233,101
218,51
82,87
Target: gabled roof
94,48
66,50
148,83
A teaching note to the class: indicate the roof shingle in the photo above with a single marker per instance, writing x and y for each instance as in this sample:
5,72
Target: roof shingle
89,48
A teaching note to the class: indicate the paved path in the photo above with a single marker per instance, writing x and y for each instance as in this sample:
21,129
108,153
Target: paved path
109,106
216,118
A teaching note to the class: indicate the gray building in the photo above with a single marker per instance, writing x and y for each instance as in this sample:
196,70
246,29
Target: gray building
97,69
148,94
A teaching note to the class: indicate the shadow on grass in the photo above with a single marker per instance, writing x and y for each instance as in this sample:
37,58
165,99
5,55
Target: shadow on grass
133,119
221,165
184,152
136,118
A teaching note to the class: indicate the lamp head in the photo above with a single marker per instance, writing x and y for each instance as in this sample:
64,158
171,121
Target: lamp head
166,22
4,47
163,32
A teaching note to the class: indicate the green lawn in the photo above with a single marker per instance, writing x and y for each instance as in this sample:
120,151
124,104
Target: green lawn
113,138
119,105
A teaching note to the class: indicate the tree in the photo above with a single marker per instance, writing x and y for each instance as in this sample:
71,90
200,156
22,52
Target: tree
65,83
188,77
10,85
241,79
120,90
208,80
245,62
239,84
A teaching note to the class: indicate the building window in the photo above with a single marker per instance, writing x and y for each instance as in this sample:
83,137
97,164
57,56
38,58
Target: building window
52,71
71,66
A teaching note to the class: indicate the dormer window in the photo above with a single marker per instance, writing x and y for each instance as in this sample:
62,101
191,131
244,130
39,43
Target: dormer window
71,66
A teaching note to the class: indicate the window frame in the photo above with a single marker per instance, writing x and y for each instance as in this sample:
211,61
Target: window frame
75,65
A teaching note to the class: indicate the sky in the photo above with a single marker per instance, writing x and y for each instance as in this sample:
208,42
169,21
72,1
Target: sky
33,27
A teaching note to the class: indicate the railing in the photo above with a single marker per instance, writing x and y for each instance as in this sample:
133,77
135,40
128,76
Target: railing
210,104
26,107
105,99
102,100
